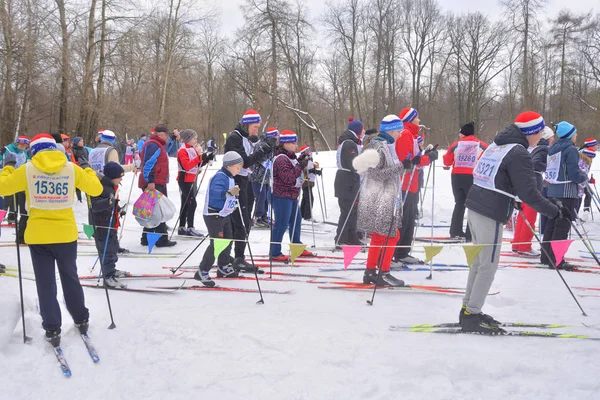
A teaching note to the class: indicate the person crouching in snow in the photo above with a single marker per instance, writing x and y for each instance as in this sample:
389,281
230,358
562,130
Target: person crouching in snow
221,202
287,181
189,160
380,205
105,208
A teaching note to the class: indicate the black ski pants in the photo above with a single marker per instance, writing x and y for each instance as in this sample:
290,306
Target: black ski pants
461,184
241,228
407,233
222,228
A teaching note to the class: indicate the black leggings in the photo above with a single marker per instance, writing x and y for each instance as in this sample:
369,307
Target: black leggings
188,203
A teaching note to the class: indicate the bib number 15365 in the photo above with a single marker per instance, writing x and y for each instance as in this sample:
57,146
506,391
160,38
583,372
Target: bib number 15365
45,187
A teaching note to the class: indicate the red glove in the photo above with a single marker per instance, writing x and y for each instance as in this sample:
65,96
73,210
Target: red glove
592,180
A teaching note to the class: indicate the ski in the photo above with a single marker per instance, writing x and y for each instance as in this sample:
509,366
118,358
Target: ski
223,289
60,357
407,288
130,255
516,255
171,289
276,273
504,325
578,269
436,267
585,288
134,276
456,331
90,347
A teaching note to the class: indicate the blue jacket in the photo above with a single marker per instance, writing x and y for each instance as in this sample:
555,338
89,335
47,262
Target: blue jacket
172,146
218,187
569,170
140,144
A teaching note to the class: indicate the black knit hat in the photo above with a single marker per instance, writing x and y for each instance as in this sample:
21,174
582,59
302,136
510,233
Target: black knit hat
468,129
113,170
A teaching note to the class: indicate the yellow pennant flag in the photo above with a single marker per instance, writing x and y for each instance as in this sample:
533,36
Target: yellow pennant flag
295,250
220,245
472,251
431,251
224,136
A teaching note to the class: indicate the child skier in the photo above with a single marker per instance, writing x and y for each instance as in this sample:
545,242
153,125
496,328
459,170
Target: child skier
104,208
221,202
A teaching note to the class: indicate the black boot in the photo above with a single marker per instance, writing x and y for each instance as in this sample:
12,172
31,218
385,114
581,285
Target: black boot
487,318
53,337
83,327
372,277
476,323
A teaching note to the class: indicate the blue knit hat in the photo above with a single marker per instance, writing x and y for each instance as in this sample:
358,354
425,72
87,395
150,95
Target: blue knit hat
113,170
77,140
565,130
391,123
355,126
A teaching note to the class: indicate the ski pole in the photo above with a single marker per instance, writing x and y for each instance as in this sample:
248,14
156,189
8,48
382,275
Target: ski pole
271,229
188,197
321,203
128,199
552,262
26,339
425,188
261,301
174,270
432,214
324,198
112,213
412,175
309,191
587,246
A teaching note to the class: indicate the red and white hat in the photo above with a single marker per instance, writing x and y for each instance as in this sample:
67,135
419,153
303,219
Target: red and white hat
530,122
42,142
408,114
22,140
304,149
272,132
288,136
591,142
251,117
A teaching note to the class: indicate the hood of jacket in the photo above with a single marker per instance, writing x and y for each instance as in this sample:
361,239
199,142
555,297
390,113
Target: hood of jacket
50,161
348,135
560,145
511,134
412,128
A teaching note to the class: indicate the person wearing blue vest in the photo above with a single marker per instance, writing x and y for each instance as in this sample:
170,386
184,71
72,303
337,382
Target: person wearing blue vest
563,176
503,175
221,202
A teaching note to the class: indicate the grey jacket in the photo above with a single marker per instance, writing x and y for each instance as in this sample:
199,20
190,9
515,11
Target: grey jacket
380,204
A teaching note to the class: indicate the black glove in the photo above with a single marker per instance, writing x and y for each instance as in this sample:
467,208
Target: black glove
266,148
122,212
319,172
433,155
113,200
271,141
563,212
10,159
407,164
83,163
3,150
416,161
206,158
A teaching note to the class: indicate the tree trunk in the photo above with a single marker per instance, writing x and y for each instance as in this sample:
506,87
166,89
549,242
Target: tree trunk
63,98
85,111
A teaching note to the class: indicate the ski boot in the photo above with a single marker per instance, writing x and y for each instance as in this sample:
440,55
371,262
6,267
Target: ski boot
83,327
227,271
203,277
53,337
487,318
476,323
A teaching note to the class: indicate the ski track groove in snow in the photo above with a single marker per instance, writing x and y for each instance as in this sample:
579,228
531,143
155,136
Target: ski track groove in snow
312,344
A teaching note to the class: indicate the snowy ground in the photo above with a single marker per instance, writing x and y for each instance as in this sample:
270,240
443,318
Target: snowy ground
312,344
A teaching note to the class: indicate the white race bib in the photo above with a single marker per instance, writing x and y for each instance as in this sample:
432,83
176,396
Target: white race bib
98,158
50,191
229,207
21,158
294,162
553,168
230,201
466,154
484,174
192,155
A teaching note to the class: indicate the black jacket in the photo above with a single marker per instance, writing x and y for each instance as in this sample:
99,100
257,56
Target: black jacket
347,181
80,153
539,158
515,176
102,207
235,143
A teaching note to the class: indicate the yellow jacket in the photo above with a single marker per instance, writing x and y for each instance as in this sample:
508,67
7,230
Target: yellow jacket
45,226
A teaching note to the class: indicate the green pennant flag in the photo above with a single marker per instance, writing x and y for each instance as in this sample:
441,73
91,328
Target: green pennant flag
472,251
295,250
220,245
88,230
431,251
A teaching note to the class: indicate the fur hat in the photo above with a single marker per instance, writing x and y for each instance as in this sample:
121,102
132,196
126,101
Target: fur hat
232,158
468,129
530,122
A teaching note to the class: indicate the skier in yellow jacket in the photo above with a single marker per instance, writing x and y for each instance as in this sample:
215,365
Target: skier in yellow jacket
49,182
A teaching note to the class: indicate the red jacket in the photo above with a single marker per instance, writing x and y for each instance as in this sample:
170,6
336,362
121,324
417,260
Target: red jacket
464,162
155,163
406,146
189,161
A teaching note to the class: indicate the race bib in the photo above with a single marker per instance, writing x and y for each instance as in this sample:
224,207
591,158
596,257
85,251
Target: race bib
51,191
192,155
553,168
484,174
466,155
229,207
97,158
299,181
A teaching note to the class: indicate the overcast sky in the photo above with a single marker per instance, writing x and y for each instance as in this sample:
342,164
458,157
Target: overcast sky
232,16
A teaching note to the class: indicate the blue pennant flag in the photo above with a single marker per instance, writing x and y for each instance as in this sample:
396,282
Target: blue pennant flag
152,239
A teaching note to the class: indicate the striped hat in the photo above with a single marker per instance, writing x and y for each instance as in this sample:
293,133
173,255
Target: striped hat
565,130
589,153
420,139
391,123
232,158
42,142
22,140
408,114
304,149
591,142
530,122
272,132
107,136
288,136
251,117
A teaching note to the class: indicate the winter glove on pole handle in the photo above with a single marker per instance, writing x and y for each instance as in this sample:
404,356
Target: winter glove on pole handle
407,164
563,212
